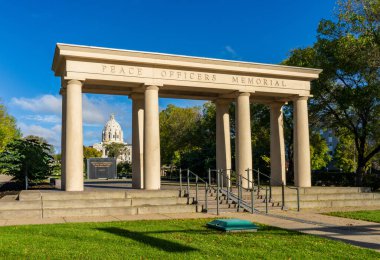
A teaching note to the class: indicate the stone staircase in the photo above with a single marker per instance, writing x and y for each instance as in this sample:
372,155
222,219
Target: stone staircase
52,204
315,197
326,197
37,204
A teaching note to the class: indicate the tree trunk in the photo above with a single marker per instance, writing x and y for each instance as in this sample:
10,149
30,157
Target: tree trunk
360,172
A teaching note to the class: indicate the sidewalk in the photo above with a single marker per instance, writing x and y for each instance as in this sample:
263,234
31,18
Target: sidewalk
356,232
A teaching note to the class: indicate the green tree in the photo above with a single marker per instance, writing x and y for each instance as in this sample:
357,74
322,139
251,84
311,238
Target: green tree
115,149
42,140
90,152
8,127
319,152
124,168
345,155
26,158
346,96
177,132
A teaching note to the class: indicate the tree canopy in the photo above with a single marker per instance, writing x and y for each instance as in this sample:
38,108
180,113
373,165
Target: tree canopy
346,96
115,149
26,157
90,152
8,127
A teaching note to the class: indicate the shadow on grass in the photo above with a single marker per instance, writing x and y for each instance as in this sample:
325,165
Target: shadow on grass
142,237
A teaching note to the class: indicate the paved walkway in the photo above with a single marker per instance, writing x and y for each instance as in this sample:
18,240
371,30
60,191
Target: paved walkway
356,232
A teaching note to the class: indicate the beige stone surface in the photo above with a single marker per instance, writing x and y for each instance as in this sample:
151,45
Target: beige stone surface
152,160
244,147
137,141
5,178
302,168
74,137
127,70
223,138
277,145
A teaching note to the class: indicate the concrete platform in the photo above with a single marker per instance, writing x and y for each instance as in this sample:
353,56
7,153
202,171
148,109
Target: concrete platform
42,204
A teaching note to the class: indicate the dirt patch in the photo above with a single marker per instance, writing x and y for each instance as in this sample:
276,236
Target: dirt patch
14,188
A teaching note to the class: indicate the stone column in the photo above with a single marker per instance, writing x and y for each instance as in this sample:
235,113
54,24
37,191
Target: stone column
236,139
74,137
137,141
63,139
223,137
302,171
277,145
244,147
152,161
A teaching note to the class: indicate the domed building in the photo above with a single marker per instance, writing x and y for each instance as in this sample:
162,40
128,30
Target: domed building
112,133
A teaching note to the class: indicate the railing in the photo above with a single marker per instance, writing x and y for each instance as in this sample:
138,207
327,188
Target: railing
271,182
225,179
197,180
241,204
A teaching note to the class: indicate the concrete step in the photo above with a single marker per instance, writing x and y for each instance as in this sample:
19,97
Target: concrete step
114,211
151,194
221,210
323,196
159,201
21,213
313,190
82,195
95,203
79,212
19,205
86,203
320,203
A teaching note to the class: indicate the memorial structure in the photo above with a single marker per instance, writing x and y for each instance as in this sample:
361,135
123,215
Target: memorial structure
145,77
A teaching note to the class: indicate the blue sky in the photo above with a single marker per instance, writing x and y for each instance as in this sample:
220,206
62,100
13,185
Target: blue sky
257,31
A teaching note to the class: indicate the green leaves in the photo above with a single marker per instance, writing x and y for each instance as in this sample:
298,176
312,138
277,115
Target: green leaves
113,150
90,152
8,128
26,157
347,94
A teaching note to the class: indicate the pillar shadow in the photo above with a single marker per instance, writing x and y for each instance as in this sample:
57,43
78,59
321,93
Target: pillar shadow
142,237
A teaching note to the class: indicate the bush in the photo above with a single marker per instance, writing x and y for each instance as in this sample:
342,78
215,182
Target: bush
29,158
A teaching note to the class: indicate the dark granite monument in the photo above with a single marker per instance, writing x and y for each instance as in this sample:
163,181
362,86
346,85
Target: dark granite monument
101,168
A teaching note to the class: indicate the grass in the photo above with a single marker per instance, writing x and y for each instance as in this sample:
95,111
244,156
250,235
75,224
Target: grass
166,239
367,215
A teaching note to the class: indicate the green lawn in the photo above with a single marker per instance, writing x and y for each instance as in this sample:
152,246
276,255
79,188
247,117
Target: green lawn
166,239
367,215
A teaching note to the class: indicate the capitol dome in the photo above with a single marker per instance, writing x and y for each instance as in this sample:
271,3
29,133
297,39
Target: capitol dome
112,131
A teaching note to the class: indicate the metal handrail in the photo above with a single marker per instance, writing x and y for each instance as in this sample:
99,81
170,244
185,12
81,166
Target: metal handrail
238,198
197,180
283,186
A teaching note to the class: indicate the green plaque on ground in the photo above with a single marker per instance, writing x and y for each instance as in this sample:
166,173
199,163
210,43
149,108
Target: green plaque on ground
233,225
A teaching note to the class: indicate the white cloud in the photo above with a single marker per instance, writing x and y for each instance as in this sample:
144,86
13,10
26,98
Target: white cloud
43,118
230,50
44,104
95,110
52,134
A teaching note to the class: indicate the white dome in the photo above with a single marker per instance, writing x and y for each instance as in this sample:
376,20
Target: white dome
112,131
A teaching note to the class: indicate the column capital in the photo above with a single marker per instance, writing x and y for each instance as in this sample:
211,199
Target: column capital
301,98
152,87
74,82
242,94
